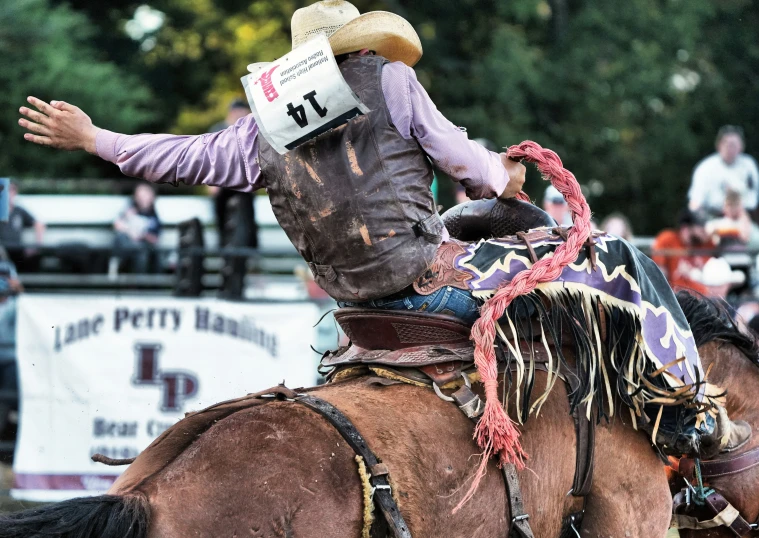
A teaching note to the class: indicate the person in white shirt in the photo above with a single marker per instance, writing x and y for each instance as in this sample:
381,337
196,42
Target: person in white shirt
729,169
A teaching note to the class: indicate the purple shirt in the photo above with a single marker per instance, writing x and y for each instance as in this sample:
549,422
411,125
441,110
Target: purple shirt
229,158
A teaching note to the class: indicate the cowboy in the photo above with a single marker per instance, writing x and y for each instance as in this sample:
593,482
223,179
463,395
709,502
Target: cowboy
368,248
354,200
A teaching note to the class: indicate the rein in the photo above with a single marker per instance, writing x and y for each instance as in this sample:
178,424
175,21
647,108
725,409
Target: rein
723,513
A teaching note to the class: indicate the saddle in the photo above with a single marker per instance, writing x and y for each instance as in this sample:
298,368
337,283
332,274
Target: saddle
435,350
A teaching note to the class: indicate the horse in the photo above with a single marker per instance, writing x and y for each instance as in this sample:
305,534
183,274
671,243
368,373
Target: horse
274,468
268,466
731,357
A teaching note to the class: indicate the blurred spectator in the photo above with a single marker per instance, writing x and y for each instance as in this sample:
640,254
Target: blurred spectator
241,203
237,109
461,196
137,231
9,283
618,225
733,230
9,288
555,205
4,188
26,258
718,277
672,251
727,169
235,214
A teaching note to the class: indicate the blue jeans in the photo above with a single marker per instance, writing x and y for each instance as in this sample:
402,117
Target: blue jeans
447,300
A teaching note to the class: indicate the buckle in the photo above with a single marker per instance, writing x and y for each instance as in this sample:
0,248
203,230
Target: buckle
448,398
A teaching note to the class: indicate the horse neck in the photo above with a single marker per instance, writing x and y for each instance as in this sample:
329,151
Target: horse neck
732,371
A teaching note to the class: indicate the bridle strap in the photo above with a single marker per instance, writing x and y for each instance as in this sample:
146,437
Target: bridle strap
720,467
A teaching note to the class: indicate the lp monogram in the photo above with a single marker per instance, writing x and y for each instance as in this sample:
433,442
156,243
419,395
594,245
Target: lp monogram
176,386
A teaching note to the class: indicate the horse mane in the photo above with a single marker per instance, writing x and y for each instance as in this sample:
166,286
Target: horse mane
711,321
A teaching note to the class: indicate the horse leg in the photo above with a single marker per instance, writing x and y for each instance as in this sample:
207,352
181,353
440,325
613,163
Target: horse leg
276,470
630,497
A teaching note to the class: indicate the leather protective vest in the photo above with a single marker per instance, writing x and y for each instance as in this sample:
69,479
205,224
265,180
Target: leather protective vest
356,201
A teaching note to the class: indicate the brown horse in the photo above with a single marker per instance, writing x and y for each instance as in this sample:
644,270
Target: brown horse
733,358
279,469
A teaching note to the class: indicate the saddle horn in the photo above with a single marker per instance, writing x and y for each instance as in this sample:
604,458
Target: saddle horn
485,219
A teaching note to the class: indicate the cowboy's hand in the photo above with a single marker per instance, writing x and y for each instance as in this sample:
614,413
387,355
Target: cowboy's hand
58,125
516,172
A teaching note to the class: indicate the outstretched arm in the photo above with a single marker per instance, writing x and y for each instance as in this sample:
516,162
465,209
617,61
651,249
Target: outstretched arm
224,159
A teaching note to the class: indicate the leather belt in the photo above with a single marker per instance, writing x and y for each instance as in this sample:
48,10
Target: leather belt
405,292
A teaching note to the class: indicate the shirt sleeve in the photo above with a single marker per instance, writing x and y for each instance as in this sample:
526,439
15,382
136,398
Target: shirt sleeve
27,219
699,186
753,184
227,158
413,113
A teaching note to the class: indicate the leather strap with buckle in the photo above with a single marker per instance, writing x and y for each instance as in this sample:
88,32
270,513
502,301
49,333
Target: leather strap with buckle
383,496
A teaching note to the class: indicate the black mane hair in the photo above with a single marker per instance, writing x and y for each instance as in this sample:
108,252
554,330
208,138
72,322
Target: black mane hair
711,321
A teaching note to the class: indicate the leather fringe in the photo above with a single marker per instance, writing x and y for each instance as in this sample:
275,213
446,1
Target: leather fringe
607,343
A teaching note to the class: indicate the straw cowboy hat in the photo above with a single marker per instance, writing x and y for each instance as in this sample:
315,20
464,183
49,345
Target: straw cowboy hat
387,34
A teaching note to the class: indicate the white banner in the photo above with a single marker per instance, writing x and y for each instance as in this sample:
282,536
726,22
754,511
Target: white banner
300,96
108,375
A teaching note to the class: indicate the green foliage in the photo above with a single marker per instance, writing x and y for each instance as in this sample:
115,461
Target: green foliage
44,52
630,94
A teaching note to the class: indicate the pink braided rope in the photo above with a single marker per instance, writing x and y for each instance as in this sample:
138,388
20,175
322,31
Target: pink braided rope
495,432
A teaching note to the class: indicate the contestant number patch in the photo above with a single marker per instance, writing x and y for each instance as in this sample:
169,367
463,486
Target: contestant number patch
300,96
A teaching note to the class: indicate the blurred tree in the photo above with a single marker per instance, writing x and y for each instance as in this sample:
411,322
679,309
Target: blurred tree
630,94
195,58
45,52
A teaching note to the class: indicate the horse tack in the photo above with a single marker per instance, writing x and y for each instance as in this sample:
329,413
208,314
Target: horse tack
417,356
442,363
408,346
443,271
722,513
720,467
379,473
472,406
379,480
